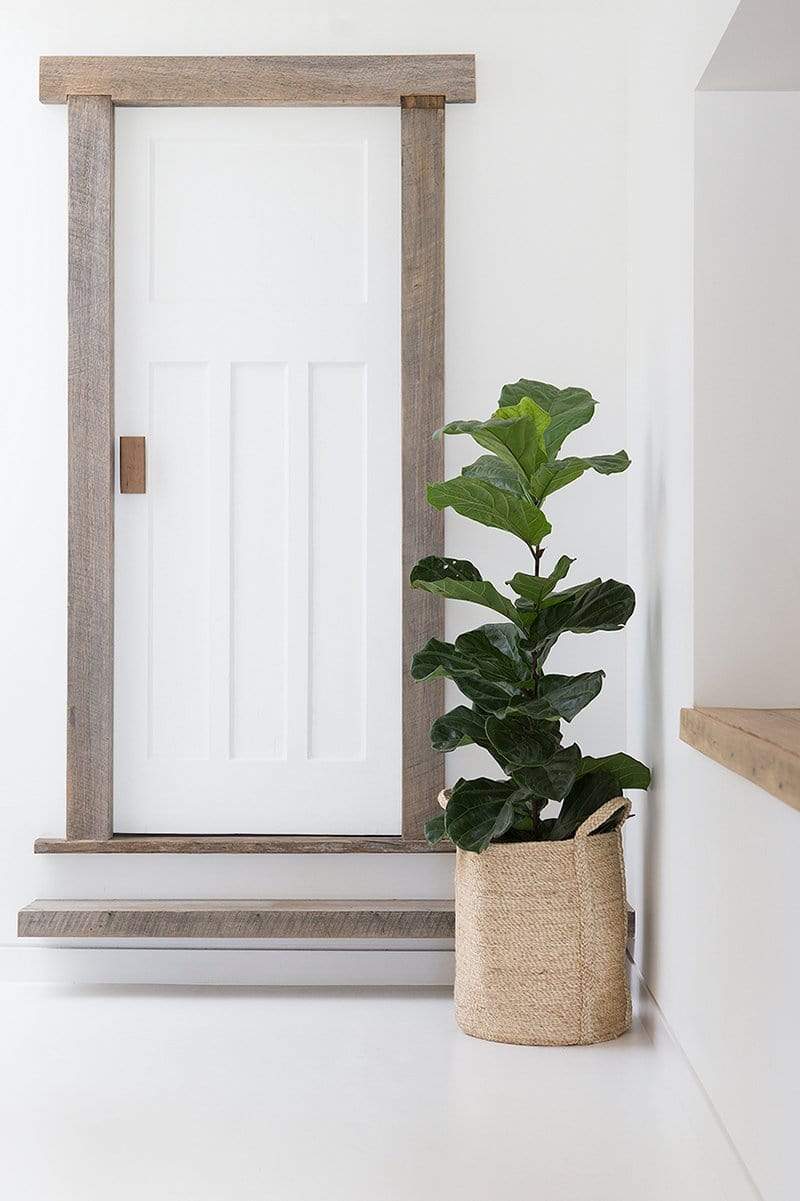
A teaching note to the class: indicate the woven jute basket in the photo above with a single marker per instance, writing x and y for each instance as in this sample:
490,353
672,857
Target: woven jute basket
540,938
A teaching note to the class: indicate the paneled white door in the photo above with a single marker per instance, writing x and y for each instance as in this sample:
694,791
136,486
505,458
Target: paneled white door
258,589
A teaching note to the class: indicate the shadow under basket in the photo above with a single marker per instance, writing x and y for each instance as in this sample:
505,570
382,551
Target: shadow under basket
540,938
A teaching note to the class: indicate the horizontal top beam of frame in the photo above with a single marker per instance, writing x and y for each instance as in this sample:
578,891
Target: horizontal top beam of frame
377,79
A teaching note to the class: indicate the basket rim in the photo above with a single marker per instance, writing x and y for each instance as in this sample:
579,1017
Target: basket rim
551,847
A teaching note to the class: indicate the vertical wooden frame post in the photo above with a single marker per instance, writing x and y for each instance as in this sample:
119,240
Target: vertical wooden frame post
90,582
422,153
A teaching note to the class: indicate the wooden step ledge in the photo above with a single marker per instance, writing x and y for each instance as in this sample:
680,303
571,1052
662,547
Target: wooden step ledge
763,745
237,919
239,844
245,919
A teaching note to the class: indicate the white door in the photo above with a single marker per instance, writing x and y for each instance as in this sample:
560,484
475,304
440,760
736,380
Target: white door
258,588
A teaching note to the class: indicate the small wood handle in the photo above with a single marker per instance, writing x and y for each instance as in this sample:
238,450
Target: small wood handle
132,465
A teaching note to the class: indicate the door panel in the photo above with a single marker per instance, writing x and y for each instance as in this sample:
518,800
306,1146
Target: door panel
258,589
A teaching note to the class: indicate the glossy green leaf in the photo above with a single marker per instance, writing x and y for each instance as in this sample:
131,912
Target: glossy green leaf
562,697
572,408
515,434
626,771
584,798
554,778
494,471
436,567
497,652
543,394
434,829
438,659
479,592
536,587
522,740
552,476
490,696
478,812
460,727
568,408
598,605
491,506
459,579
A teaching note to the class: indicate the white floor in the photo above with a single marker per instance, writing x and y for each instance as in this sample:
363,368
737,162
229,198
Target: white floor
161,1094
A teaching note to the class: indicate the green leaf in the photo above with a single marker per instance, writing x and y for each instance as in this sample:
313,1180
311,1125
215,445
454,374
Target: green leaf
494,471
478,812
554,778
434,829
557,474
598,605
497,652
584,798
458,579
522,823
521,740
536,587
572,408
562,697
490,506
438,659
625,770
543,394
569,408
460,727
490,696
515,434
480,592
435,567
521,429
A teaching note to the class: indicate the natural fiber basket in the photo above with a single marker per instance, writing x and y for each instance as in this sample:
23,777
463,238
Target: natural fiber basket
540,938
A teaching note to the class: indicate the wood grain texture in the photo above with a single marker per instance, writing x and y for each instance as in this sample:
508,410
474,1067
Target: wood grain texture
90,586
266,919
238,844
422,352
423,101
237,919
132,465
763,745
258,80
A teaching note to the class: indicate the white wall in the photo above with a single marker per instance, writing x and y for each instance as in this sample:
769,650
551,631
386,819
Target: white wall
712,859
535,286
746,388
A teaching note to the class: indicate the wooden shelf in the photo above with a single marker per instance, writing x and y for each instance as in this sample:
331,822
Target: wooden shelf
763,745
237,844
237,919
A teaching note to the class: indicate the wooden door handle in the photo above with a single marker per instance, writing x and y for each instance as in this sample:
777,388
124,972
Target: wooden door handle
132,465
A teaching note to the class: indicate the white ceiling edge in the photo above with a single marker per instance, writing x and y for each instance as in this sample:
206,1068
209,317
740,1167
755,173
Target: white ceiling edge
759,51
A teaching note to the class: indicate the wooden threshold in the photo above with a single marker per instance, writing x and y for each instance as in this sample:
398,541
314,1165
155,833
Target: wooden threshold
237,919
238,844
246,919
763,745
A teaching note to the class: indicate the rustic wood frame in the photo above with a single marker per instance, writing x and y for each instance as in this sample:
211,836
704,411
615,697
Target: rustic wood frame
91,87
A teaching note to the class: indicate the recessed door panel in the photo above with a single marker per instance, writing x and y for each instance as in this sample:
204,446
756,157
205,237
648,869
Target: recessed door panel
258,590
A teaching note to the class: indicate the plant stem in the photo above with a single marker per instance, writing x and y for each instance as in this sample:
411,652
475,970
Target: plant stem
537,552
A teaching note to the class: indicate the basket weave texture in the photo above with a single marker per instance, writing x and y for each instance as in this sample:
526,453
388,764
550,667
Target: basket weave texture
540,938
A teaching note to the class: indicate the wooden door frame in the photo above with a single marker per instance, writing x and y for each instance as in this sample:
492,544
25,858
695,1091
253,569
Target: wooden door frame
91,87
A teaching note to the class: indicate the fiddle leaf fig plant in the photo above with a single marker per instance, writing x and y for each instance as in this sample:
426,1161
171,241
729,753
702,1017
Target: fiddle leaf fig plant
515,705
